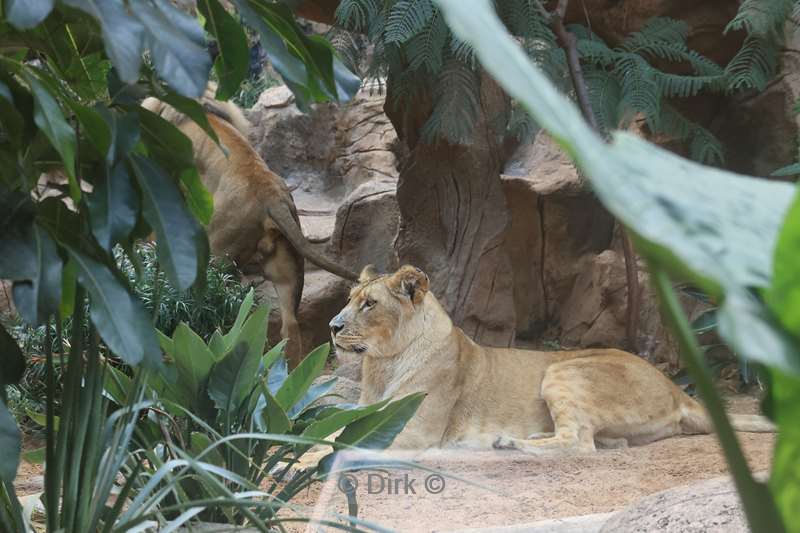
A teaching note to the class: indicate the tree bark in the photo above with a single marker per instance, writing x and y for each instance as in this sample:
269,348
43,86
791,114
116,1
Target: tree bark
454,217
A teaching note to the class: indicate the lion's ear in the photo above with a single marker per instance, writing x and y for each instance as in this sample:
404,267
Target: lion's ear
368,274
410,282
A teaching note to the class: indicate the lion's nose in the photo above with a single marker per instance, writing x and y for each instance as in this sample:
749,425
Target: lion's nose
336,324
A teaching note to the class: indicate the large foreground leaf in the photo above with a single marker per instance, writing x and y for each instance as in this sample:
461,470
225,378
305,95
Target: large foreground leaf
177,45
122,34
24,14
28,256
180,239
378,430
234,378
234,55
12,362
119,316
10,443
716,228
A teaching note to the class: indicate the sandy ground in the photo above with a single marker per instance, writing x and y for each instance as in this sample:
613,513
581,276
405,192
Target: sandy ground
507,488
491,488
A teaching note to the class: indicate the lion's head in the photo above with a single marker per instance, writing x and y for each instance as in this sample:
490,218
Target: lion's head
383,315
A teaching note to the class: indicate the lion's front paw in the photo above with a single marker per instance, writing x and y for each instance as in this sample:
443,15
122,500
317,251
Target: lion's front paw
504,443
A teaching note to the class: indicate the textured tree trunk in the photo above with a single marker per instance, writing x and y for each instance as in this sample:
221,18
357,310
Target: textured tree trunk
453,216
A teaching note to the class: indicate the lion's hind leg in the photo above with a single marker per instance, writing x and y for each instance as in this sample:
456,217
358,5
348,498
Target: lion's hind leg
284,268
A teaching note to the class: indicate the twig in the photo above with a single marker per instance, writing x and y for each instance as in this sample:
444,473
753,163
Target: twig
569,43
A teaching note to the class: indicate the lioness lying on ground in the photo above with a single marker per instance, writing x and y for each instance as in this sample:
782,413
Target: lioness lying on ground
479,397
255,221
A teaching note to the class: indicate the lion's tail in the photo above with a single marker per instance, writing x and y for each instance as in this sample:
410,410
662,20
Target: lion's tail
287,223
695,420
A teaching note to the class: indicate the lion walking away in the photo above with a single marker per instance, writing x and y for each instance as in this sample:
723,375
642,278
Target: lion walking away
255,221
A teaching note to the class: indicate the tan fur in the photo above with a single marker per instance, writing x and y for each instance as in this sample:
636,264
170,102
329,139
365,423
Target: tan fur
479,397
255,221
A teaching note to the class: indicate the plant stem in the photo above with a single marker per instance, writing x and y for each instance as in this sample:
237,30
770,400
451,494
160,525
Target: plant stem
762,515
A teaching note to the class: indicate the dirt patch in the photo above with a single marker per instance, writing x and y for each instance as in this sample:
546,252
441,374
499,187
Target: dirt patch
506,488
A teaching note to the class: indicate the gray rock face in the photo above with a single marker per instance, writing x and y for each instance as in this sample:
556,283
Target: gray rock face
707,507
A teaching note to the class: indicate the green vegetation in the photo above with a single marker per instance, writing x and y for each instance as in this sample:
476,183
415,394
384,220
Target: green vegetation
644,75
71,76
756,222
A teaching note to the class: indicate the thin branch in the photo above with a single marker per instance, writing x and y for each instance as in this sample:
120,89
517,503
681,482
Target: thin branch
569,43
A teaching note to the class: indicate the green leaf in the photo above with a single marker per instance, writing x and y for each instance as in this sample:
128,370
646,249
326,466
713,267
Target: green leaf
10,117
305,63
41,419
788,170
177,46
180,241
50,119
269,416
10,443
29,257
165,142
118,315
711,227
193,361
69,283
12,362
192,109
118,386
783,297
25,14
232,336
705,322
35,456
199,200
198,443
331,424
785,474
378,430
113,206
94,126
234,377
122,34
233,61
300,379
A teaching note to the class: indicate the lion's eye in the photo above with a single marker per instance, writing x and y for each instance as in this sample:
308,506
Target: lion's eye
369,304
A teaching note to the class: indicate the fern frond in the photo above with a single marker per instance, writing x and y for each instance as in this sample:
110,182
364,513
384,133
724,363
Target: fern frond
347,47
462,51
456,105
356,14
524,19
593,51
406,18
706,148
521,124
703,145
662,30
754,65
427,47
605,95
764,18
640,91
676,85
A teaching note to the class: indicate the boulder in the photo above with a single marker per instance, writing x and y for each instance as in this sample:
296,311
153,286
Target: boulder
366,225
708,506
556,227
